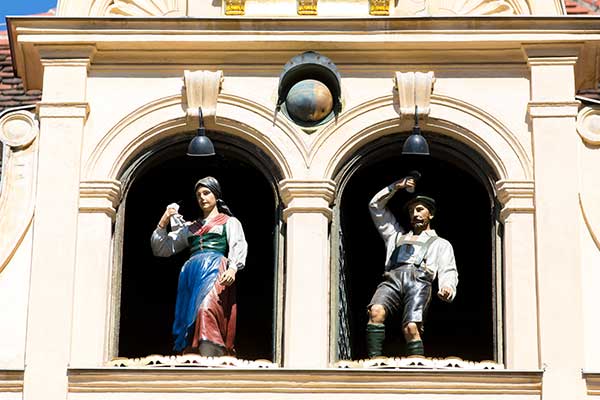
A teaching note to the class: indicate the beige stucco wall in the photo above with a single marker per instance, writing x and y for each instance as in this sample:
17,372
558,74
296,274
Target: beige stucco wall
112,90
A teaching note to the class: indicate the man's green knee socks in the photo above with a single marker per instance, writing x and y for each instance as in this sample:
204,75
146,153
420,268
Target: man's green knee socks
375,338
415,348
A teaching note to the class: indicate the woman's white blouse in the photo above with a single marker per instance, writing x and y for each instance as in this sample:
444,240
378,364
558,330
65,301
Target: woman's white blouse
166,244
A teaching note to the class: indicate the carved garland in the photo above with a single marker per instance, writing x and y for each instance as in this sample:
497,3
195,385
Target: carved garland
463,7
474,7
191,360
139,8
178,8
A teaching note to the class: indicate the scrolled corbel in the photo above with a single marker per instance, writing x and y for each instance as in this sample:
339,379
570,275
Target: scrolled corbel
414,90
18,130
202,90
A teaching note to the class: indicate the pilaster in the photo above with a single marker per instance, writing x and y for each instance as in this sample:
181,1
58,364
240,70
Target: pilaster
62,114
552,112
91,315
308,214
520,300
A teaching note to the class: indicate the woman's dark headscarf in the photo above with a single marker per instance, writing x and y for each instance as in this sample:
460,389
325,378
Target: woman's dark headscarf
213,185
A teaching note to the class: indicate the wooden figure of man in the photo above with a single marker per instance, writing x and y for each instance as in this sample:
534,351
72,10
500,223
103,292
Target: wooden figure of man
413,260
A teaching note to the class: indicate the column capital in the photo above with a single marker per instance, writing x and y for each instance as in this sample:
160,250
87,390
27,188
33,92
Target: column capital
516,196
63,109
552,109
100,196
307,196
62,55
556,54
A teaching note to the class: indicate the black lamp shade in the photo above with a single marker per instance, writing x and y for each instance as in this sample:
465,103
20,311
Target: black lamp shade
200,146
415,145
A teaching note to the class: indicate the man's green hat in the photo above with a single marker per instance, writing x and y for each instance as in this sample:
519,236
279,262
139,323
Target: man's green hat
426,200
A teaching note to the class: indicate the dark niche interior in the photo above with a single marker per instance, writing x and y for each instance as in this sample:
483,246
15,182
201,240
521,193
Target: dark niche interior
149,284
464,328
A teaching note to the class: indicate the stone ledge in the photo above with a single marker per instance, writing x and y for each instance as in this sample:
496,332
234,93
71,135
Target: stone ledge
11,380
592,381
299,381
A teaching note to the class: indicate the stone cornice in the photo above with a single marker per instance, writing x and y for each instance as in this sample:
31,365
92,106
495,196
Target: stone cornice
403,23
516,197
99,196
289,383
307,196
11,380
232,41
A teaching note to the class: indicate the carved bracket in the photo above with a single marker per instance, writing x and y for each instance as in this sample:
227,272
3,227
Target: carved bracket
588,125
516,197
100,196
202,89
307,196
19,131
414,89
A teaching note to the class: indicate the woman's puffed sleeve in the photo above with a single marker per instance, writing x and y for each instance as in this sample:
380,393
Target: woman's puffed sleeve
238,247
166,244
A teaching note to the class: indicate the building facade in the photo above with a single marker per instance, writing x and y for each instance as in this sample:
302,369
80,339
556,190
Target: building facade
86,309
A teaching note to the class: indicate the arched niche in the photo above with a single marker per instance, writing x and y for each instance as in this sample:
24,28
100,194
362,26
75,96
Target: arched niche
463,185
109,172
361,153
454,118
164,119
162,175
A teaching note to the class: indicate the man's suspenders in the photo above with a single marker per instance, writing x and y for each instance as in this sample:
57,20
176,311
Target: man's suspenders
423,247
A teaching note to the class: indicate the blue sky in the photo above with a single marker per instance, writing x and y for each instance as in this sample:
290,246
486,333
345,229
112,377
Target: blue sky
23,7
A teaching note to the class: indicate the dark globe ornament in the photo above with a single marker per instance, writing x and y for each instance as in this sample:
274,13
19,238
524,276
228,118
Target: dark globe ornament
309,101
309,92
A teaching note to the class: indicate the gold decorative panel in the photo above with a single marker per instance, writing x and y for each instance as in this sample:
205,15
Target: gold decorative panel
235,7
379,7
307,7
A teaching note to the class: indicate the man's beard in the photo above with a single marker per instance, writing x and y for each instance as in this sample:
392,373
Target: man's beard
419,224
